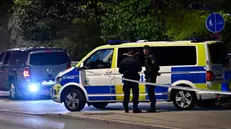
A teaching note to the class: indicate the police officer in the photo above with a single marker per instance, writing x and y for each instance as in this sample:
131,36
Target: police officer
151,73
130,68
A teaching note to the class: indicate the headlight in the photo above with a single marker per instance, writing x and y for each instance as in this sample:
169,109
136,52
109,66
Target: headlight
58,80
33,87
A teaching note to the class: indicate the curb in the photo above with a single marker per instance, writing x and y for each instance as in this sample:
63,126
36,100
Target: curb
64,116
139,125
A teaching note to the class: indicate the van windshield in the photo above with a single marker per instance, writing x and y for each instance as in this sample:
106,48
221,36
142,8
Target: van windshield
49,58
218,53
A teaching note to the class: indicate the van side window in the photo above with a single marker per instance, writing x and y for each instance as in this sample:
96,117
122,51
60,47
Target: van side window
166,56
175,55
122,53
100,59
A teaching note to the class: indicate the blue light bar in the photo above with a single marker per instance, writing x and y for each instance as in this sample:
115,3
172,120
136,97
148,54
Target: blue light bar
114,42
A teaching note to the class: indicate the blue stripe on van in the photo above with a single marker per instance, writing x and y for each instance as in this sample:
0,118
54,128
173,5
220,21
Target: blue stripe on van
100,98
162,97
184,69
158,89
165,97
100,89
72,76
193,77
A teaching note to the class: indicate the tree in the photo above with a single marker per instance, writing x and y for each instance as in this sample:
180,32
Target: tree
40,20
67,24
79,26
130,20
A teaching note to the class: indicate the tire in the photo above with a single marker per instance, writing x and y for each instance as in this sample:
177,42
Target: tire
78,100
99,105
13,90
182,102
207,103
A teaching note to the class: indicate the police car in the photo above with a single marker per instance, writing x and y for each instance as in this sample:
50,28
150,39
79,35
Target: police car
31,71
96,81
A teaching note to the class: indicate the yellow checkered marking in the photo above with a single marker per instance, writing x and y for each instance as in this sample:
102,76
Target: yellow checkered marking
119,92
201,55
213,87
57,88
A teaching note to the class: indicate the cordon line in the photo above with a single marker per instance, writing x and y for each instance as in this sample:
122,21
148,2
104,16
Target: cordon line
168,86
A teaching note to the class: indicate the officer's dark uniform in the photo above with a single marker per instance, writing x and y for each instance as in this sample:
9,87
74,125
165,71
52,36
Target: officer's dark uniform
130,67
151,73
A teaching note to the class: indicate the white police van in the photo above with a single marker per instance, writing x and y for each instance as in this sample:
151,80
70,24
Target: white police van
96,81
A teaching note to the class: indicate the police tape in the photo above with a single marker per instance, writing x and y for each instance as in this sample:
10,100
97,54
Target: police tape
198,90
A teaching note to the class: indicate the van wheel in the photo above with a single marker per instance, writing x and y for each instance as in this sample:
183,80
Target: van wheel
99,105
13,90
74,100
184,100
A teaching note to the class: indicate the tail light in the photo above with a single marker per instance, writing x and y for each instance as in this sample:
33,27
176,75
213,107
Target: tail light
68,66
209,76
26,72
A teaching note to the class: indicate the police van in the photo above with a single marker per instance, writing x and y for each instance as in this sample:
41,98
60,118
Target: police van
96,81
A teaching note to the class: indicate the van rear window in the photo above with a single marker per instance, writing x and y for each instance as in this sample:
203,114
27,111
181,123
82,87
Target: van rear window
218,53
49,58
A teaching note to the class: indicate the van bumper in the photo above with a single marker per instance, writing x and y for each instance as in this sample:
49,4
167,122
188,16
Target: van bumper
205,96
55,93
56,98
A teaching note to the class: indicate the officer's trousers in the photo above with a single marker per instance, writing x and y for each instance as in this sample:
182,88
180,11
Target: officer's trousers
150,89
135,92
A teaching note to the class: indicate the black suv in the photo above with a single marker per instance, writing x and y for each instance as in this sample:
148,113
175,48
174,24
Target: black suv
31,71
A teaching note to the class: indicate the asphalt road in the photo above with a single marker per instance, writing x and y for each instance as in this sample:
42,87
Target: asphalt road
19,121
168,114
44,106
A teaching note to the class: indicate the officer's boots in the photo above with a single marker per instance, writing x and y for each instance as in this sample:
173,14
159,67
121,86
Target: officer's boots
126,110
152,108
135,109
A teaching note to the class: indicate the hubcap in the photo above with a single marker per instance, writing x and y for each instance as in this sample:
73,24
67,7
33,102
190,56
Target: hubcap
183,99
12,90
72,100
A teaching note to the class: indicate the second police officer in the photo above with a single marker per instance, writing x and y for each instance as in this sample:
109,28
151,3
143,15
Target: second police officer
151,73
130,68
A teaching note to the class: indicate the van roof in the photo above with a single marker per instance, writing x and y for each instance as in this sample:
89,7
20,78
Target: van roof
158,43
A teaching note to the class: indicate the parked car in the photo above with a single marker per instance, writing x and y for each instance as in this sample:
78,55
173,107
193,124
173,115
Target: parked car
31,71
